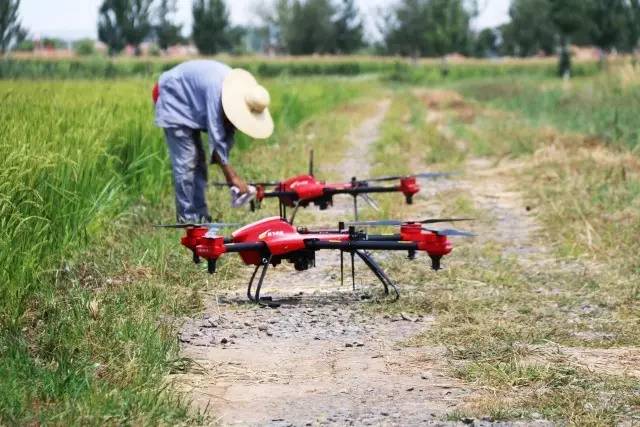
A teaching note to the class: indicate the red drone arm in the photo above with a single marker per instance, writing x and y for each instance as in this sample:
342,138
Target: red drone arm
427,241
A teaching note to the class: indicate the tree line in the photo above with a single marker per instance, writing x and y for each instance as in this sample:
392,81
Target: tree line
296,27
416,28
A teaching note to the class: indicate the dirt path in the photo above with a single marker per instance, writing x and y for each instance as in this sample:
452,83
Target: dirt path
492,185
510,222
321,358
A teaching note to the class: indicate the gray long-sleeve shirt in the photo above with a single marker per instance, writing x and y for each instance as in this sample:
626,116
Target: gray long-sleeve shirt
191,96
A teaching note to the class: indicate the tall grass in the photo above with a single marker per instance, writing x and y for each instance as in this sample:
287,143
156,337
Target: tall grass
604,107
102,68
82,169
396,69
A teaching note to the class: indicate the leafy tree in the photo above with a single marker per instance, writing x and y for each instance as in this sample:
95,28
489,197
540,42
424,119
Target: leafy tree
632,35
429,27
607,24
211,26
123,22
530,30
348,28
486,43
276,19
167,32
21,35
53,43
303,27
404,28
633,23
310,29
568,16
10,29
84,47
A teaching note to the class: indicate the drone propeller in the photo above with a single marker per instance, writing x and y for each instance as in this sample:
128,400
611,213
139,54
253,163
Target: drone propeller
426,175
266,183
261,184
452,233
213,232
311,162
386,223
212,225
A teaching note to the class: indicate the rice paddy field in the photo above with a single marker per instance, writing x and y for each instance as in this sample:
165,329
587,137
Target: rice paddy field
89,291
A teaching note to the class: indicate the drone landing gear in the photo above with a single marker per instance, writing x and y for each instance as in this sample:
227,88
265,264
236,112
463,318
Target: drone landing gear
263,301
293,214
375,269
364,256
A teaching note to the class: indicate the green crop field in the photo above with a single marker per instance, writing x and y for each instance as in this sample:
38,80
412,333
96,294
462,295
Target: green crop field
84,172
91,294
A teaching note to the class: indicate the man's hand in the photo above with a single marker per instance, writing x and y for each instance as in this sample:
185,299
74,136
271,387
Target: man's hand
236,181
233,179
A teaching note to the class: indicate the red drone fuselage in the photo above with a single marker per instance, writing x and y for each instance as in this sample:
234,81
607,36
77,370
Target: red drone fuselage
304,189
280,239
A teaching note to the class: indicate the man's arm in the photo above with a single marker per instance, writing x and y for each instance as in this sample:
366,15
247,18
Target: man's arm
230,175
219,141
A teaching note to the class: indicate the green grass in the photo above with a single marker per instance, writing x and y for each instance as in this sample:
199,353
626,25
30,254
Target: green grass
602,108
89,292
403,70
505,318
88,289
589,187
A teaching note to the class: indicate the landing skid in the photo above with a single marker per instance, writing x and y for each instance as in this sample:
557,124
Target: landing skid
364,256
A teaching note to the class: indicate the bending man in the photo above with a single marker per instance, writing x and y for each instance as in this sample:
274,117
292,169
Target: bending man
207,96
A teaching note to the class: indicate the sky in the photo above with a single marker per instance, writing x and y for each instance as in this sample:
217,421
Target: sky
74,19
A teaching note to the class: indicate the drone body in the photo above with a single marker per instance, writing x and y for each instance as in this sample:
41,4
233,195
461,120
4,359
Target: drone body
303,190
271,241
274,240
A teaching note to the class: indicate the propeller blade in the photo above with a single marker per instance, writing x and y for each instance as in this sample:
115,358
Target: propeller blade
262,184
311,162
383,178
216,225
213,232
424,175
381,223
438,221
435,175
452,233
391,222
371,201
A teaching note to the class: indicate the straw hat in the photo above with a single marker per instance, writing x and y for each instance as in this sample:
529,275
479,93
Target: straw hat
246,104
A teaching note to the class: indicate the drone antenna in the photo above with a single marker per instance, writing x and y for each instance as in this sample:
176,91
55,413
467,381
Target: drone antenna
311,162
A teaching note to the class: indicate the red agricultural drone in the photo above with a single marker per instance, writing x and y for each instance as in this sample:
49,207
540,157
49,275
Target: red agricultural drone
302,190
274,240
